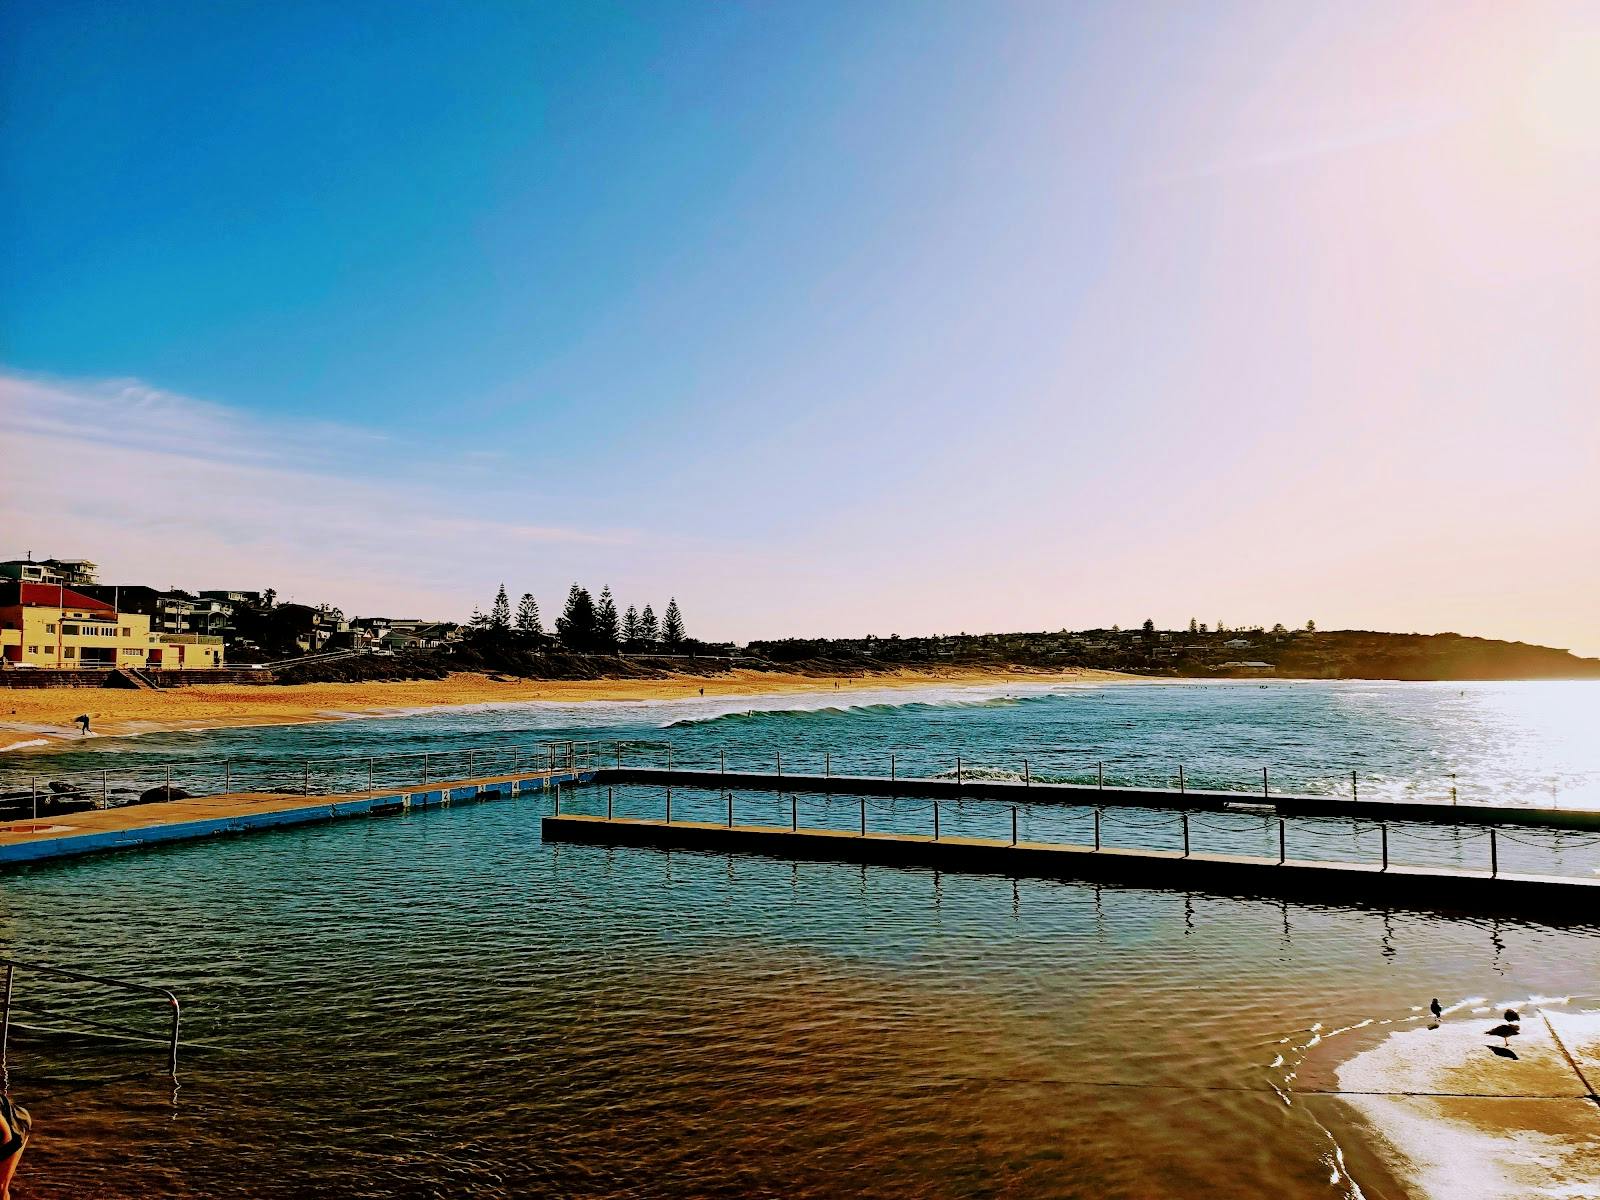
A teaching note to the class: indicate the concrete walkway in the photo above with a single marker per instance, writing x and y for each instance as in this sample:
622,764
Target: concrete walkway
100,830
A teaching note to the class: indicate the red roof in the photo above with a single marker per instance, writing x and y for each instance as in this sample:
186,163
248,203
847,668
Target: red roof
49,595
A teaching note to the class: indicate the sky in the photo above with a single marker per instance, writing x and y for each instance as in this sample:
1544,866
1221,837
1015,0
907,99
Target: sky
827,319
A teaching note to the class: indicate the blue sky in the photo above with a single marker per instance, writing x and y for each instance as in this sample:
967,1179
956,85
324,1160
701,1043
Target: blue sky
825,318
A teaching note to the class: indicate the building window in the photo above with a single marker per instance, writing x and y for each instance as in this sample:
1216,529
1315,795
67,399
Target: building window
72,652
49,628
33,649
126,632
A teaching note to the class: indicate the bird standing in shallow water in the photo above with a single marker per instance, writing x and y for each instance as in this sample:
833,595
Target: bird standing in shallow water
1433,1007
1513,1016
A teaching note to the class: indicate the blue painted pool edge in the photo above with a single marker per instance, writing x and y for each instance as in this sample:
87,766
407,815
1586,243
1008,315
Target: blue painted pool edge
331,809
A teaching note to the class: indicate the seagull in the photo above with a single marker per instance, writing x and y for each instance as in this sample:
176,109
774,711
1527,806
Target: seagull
1513,1016
1433,1007
1504,1032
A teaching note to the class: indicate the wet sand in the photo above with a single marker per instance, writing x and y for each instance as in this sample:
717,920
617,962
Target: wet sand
41,717
1453,1111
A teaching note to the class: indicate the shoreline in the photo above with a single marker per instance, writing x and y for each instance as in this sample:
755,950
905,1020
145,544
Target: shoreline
40,719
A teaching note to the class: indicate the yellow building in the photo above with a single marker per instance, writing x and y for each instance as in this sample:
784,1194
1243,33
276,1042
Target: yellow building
186,651
47,625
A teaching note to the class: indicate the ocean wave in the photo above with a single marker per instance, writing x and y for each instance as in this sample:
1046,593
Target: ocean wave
810,707
25,744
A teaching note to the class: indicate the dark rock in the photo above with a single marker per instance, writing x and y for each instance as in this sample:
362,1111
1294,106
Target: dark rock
160,795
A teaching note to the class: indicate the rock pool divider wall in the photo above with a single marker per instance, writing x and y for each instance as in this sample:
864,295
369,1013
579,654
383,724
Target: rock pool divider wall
1564,901
1088,795
57,845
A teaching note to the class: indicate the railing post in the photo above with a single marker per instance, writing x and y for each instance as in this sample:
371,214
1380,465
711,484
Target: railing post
936,820
558,798
1013,824
424,767
779,753
863,816
1494,854
34,787
669,806
722,766
1264,791
1027,779
891,768
794,811
619,756
1452,787
1383,829
1097,829
1355,793
172,1049
1185,817
1181,788
958,772
827,764
1283,855
103,789
730,810
1100,769
608,803
5,1019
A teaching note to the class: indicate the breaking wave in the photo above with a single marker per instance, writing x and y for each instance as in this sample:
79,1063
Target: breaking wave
800,708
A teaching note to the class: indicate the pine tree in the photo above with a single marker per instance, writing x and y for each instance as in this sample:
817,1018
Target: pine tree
605,622
1149,625
528,616
672,624
576,625
500,614
630,627
1311,626
1194,626
649,631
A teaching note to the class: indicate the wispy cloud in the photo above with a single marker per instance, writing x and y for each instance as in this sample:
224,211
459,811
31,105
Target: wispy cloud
162,488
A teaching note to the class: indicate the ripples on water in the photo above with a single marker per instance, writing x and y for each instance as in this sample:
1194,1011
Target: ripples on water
440,1004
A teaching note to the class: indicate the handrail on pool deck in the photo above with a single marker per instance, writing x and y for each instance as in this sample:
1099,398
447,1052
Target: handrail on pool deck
11,965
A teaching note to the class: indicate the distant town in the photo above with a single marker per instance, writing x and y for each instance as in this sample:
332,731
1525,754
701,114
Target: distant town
57,616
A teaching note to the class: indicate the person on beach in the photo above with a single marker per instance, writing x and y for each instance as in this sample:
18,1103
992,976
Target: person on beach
82,720
15,1128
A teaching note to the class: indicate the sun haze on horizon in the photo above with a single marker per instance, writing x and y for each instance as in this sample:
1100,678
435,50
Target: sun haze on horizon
826,319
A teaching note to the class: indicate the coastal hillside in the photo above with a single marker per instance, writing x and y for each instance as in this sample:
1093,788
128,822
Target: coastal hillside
1197,654
1201,653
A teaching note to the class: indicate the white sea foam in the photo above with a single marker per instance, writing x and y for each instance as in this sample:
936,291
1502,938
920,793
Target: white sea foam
22,745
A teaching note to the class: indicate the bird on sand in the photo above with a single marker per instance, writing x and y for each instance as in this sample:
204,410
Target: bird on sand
1433,1007
1504,1032
1513,1016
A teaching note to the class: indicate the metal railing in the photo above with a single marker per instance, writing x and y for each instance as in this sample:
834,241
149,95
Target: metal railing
330,775
1265,836
94,1026
1047,765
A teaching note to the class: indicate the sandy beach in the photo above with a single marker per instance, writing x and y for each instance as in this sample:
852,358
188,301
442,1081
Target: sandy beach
37,717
